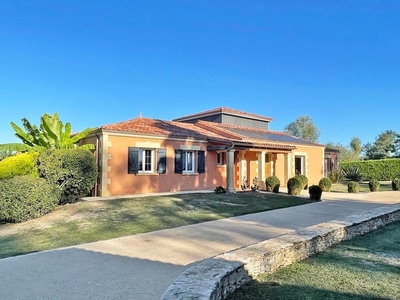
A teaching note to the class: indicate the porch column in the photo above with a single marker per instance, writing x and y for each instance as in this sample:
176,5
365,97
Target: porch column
261,170
230,169
287,157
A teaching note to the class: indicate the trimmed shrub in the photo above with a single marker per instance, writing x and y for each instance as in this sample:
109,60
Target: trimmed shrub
374,185
396,184
381,169
19,164
353,187
74,170
220,190
25,197
325,183
294,186
272,184
352,173
304,180
334,176
315,192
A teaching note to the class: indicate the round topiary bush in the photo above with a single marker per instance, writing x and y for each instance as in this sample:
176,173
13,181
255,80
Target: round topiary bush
272,184
396,184
25,197
304,180
19,164
315,192
374,185
353,187
74,170
325,183
294,186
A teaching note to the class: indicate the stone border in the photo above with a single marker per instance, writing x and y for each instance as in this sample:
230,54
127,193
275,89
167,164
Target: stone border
215,278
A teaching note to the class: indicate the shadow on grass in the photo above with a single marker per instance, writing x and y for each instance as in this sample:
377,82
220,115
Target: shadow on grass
275,291
101,220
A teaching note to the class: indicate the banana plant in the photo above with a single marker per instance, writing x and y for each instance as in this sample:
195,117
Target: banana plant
51,134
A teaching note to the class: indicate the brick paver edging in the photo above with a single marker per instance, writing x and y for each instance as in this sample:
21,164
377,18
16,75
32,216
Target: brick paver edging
215,278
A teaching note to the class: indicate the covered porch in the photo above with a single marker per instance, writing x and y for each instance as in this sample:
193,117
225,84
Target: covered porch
254,162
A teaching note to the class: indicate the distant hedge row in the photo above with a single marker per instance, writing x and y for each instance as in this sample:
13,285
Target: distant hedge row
384,169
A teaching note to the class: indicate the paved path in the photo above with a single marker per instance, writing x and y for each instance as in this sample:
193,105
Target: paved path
141,267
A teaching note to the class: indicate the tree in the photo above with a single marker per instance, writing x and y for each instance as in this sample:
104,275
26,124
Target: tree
50,135
355,145
387,144
303,128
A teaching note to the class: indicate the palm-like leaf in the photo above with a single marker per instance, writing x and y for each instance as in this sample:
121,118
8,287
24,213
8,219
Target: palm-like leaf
15,147
50,135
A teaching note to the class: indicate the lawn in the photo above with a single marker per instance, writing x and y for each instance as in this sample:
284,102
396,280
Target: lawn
341,187
367,267
84,222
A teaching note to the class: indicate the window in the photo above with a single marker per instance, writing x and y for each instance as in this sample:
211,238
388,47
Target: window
141,160
146,160
299,165
220,158
189,161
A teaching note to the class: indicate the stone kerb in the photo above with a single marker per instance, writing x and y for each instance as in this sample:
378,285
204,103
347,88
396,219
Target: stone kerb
215,278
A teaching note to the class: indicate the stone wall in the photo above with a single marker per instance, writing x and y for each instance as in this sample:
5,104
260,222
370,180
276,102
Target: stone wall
215,278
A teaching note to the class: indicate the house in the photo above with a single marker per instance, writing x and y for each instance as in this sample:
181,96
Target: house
218,147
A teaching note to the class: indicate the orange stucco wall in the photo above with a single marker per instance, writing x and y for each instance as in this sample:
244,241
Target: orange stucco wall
120,182
313,164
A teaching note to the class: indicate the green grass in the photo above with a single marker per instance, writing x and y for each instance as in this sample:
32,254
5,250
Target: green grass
84,222
367,267
341,187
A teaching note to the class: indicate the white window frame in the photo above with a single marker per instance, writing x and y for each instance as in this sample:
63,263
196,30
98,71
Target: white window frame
142,160
185,161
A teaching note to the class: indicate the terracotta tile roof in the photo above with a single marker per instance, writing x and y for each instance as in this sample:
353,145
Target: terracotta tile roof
202,130
258,134
225,110
148,126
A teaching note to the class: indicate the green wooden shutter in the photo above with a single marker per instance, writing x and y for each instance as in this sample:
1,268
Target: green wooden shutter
161,160
133,160
201,162
178,161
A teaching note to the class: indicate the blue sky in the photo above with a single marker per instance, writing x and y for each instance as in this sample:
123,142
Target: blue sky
101,62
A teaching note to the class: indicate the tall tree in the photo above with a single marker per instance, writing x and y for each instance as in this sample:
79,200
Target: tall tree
303,128
51,134
355,145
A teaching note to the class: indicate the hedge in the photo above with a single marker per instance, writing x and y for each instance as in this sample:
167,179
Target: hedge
19,164
25,197
383,170
74,170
